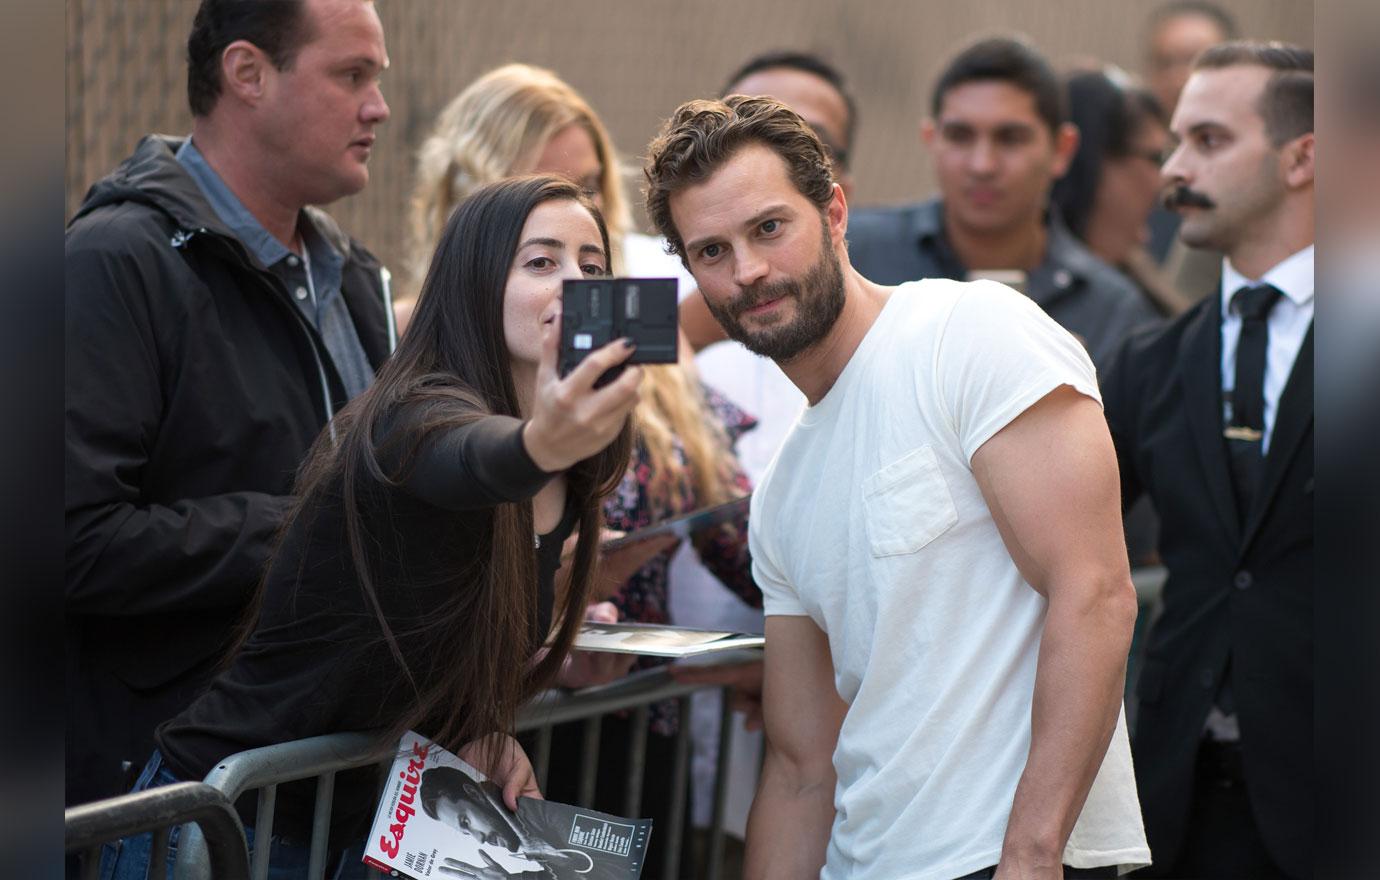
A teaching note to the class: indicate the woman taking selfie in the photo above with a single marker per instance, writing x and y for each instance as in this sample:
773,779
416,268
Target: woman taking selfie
518,119
415,584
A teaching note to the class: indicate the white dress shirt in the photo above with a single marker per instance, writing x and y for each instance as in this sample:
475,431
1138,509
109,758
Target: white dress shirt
1288,324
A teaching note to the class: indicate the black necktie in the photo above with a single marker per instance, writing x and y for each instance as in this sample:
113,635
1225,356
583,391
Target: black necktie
1247,427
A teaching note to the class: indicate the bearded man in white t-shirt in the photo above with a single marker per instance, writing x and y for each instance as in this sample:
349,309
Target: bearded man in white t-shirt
938,541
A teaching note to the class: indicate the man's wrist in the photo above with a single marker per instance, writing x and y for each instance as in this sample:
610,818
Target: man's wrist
1032,854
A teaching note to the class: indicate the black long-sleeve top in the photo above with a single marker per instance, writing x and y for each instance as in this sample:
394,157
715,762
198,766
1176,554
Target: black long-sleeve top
316,662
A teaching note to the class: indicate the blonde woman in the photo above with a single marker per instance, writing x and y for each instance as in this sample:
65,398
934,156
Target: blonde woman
521,119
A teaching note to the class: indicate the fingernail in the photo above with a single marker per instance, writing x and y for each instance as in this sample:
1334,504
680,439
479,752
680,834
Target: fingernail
628,343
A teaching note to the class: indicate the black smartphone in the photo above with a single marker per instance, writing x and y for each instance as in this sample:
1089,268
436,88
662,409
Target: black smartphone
596,311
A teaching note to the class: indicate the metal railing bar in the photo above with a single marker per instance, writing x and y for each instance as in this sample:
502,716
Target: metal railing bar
679,777
1149,582
716,821
275,764
143,811
645,686
302,759
291,761
589,761
637,762
321,826
263,831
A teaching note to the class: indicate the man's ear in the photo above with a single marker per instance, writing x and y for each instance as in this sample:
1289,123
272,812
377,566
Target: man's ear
837,215
244,70
1296,158
1066,139
928,131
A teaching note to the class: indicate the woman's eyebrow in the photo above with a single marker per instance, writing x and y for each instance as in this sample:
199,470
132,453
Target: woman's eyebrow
548,242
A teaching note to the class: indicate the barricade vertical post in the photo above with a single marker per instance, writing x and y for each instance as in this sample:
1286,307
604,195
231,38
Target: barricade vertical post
589,769
637,761
716,821
158,853
543,756
263,832
679,778
321,826
91,863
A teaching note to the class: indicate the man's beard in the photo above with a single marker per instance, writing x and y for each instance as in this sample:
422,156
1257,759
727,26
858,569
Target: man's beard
818,298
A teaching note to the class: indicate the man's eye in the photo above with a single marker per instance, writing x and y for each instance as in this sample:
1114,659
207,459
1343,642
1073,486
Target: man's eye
709,251
770,226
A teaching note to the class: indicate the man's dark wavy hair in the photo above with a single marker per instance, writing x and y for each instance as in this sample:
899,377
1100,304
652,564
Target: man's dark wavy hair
701,136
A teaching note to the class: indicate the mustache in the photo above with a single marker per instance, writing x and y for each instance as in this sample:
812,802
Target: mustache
762,293
1183,197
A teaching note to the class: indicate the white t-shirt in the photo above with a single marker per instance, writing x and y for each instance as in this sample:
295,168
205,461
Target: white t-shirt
870,522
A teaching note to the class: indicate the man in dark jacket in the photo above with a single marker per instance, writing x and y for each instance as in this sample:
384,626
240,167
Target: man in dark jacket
1212,417
214,324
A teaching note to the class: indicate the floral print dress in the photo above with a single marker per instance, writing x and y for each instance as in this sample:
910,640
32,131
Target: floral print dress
645,597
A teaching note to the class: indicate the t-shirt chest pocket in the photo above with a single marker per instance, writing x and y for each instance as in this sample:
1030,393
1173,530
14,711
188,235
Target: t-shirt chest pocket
908,504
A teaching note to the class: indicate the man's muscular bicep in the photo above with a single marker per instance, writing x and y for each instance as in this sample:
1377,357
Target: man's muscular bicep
1050,480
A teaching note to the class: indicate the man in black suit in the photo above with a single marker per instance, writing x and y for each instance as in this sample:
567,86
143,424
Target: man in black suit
1213,418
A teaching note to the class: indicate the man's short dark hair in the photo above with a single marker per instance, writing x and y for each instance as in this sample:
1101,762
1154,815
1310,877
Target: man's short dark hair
278,27
701,136
450,783
1286,104
1008,60
1226,25
804,62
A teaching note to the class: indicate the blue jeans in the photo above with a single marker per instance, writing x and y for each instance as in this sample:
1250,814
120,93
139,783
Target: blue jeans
128,859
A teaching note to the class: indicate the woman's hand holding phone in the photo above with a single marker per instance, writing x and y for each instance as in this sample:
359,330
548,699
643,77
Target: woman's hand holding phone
571,419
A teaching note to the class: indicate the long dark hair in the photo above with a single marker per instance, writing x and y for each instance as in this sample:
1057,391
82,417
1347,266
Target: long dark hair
454,352
1108,116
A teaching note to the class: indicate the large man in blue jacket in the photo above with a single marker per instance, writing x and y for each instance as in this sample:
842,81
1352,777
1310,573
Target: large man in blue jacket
214,324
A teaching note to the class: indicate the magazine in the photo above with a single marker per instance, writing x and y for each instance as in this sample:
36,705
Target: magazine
686,524
659,640
440,817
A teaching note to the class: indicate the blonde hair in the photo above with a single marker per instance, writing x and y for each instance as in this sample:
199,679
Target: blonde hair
496,128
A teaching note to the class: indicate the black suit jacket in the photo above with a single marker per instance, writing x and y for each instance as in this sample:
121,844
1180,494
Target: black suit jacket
1234,591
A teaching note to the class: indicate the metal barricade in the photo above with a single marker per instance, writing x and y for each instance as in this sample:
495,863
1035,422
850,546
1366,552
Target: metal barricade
322,757
159,810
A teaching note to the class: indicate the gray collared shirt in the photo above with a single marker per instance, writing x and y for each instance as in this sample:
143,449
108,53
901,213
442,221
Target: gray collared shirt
1085,295
316,293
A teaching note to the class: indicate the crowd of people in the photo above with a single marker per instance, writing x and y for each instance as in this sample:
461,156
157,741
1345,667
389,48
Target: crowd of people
305,496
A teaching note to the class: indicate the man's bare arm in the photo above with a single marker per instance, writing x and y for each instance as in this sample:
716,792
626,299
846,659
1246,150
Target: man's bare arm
788,828
1050,480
